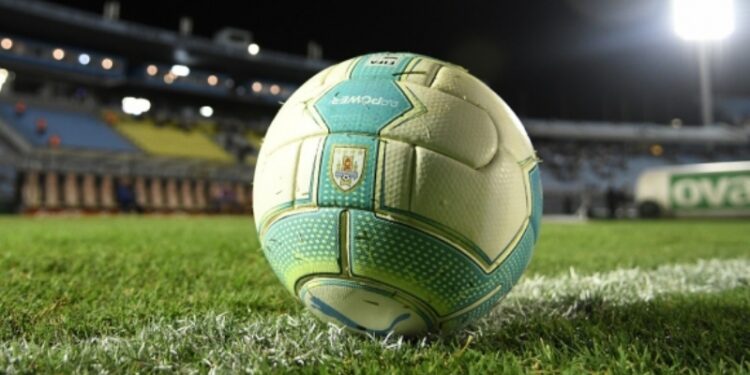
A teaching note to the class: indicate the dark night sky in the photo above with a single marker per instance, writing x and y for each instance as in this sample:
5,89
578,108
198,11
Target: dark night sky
579,59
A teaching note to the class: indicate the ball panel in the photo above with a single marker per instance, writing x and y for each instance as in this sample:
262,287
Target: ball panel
450,126
537,205
422,71
396,174
307,168
274,179
486,206
423,266
303,244
463,85
364,307
349,186
362,105
382,65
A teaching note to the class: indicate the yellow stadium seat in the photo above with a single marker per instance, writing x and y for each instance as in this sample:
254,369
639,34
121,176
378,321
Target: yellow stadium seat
171,141
254,139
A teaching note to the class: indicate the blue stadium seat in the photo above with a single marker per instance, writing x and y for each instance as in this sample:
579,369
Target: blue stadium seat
76,130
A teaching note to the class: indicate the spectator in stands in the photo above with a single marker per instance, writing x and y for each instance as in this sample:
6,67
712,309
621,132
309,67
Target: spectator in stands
125,195
20,108
41,126
110,118
615,197
228,199
55,141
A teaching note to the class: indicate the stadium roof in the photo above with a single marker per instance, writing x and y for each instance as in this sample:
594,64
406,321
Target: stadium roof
83,29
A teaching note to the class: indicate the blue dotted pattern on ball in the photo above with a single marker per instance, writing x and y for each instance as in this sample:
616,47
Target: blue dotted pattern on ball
303,244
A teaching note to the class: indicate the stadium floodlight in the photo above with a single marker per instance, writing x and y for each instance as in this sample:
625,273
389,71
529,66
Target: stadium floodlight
84,59
135,106
58,54
212,80
3,77
6,43
253,49
257,87
152,70
169,78
206,111
180,70
703,20
107,63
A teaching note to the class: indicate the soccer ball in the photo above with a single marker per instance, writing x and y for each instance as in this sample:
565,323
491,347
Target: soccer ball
397,193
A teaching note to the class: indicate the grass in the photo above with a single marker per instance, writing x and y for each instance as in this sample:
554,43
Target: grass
130,294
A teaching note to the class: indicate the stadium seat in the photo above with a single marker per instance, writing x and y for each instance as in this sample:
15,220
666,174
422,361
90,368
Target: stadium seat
200,194
173,142
173,198
71,191
240,194
156,194
254,139
186,195
31,193
107,193
44,127
89,192
51,191
251,159
141,193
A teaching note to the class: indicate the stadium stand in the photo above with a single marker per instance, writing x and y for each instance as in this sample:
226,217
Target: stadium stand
7,187
156,194
200,195
31,191
186,195
170,141
173,198
75,130
51,191
580,172
107,194
88,192
71,191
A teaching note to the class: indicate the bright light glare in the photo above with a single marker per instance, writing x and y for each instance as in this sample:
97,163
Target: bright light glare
180,70
6,43
84,59
135,106
3,77
703,20
58,54
107,63
206,111
253,49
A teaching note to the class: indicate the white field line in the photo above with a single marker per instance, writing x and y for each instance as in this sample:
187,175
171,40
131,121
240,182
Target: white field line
621,286
234,344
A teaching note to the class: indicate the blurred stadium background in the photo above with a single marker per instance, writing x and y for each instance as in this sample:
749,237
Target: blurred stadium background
98,114
160,108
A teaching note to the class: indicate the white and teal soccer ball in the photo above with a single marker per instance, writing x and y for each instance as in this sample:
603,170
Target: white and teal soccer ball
395,192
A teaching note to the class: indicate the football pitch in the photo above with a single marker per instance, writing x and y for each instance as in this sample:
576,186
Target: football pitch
128,294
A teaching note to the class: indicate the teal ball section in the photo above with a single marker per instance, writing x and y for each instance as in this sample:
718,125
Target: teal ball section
350,258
